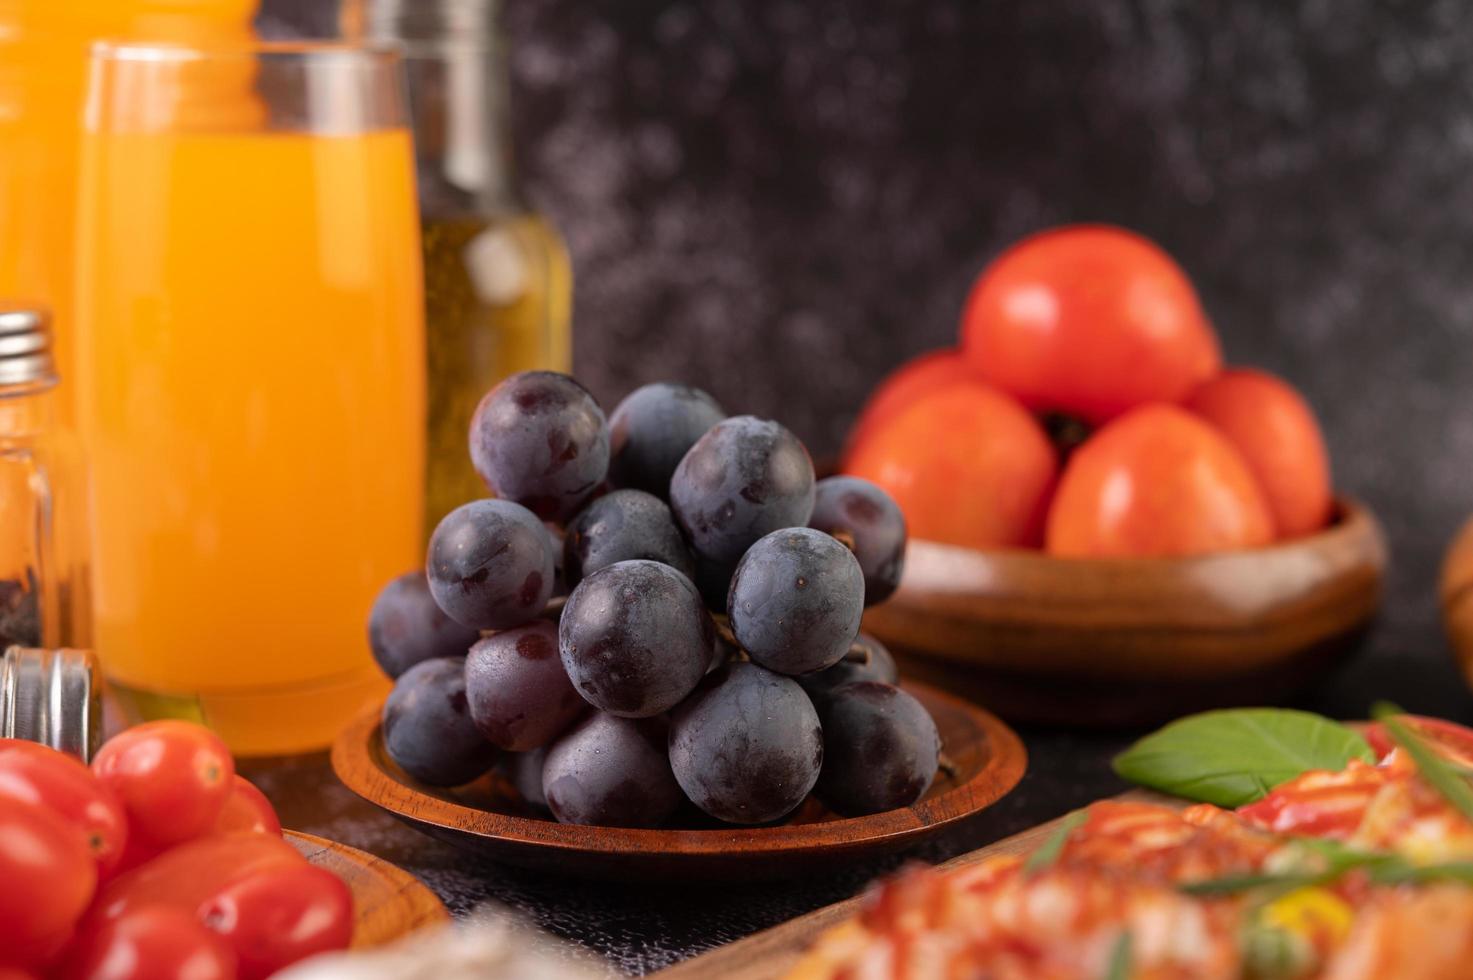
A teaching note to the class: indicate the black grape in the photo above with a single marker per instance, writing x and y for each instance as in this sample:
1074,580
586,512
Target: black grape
520,696
867,660
539,438
490,565
880,748
524,771
652,429
635,638
746,747
744,478
796,601
864,517
611,772
406,627
428,729
621,526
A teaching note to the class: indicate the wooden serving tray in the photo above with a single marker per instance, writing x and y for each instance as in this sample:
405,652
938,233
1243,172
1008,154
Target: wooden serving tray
772,953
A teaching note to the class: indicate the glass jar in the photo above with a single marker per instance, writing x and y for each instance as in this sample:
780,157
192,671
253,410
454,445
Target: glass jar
498,287
42,598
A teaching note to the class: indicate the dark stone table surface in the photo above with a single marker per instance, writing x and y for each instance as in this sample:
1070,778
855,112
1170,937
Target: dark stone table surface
640,928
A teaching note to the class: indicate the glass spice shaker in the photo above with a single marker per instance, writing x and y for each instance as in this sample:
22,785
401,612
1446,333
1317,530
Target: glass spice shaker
42,600
498,285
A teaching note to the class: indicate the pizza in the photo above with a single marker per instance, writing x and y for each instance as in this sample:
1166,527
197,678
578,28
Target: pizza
1363,873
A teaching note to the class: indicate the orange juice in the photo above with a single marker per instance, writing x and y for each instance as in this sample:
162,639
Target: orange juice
43,64
250,353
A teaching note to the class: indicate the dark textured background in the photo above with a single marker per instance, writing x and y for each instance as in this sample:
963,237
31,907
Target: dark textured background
778,200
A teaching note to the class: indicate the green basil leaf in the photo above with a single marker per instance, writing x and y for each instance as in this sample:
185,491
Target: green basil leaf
1236,756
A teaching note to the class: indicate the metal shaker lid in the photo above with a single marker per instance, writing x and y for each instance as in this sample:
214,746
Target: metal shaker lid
52,697
25,346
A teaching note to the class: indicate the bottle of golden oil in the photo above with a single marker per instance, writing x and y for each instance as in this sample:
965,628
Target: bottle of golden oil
498,286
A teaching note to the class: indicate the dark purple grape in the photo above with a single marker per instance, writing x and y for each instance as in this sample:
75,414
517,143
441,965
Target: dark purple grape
490,565
746,747
428,729
880,748
635,638
623,526
869,523
744,478
652,428
796,601
407,627
611,772
524,771
867,660
520,696
539,438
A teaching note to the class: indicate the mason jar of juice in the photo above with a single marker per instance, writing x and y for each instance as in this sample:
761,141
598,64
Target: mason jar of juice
43,64
498,288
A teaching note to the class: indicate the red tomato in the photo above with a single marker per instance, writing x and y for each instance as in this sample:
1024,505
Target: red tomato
247,809
967,465
47,877
1453,740
39,774
275,917
148,944
916,377
1090,320
190,874
1157,481
1275,430
16,973
172,776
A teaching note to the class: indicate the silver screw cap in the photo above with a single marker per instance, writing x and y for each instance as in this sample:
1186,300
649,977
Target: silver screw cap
51,697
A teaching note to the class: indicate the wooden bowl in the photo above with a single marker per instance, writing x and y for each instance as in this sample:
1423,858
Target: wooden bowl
985,757
1455,589
1110,642
388,902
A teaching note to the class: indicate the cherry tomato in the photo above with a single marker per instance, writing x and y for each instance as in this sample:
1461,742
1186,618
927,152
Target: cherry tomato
916,377
188,875
1275,430
155,943
47,877
40,774
16,973
247,810
1156,482
1090,320
275,917
172,776
967,465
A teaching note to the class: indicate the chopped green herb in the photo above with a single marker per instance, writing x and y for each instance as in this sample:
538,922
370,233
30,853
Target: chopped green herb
1432,767
1048,852
1404,873
1120,957
1233,884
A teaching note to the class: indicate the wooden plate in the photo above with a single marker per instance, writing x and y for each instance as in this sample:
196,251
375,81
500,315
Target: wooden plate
489,818
1134,641
388,902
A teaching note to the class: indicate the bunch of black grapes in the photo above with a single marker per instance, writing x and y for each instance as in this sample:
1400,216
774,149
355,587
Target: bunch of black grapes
612,705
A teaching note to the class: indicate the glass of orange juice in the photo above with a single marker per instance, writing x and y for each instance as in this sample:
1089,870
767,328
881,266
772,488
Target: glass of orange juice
250,378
